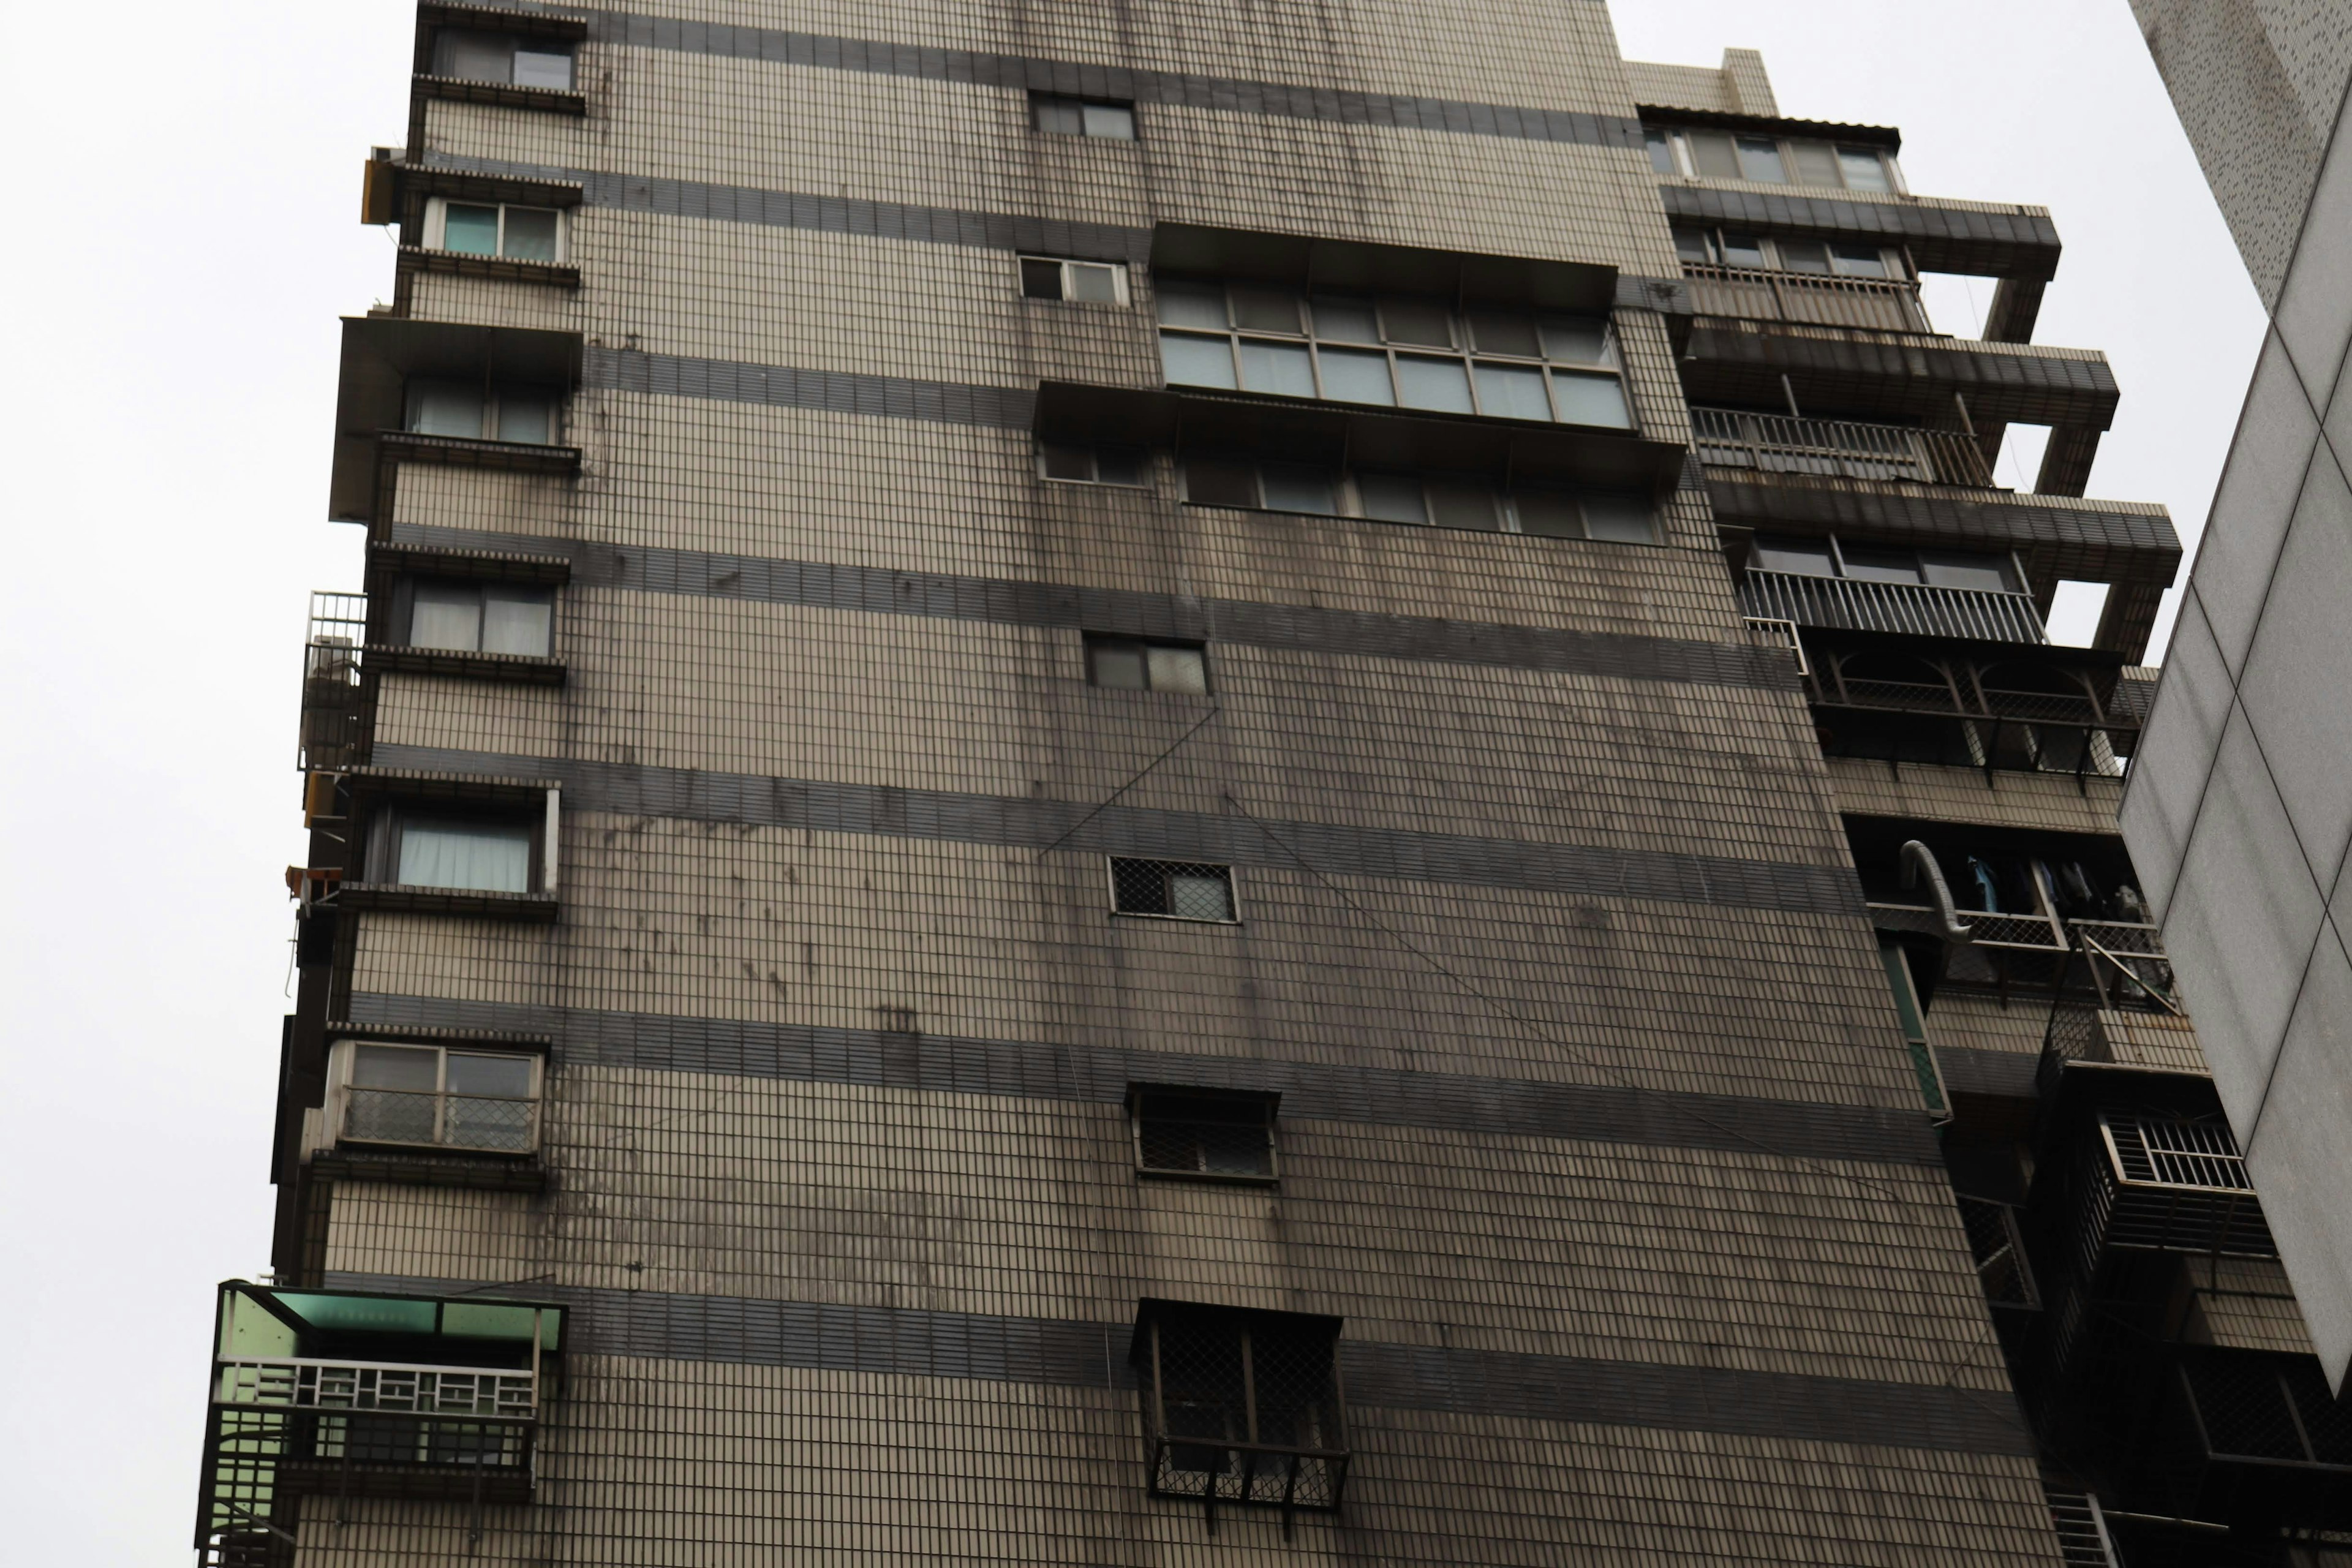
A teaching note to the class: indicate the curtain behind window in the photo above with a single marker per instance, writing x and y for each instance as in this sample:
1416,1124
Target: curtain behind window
482,856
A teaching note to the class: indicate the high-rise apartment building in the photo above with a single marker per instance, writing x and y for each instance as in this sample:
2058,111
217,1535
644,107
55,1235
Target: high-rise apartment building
2239,811
1199,783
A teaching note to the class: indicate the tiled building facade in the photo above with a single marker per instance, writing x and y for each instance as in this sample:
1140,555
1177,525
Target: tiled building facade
1051,834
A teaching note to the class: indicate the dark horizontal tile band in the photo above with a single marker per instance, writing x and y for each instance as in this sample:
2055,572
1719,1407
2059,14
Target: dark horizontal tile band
871,590
785,386
826,806
949,1064
1018,72
1059,1352
1010,232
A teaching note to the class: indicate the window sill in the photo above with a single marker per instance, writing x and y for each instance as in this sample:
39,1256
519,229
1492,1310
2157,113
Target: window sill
1425,527
355,1162
415,258
1171,920
388,898
512,669
464,452
1209,1178
458,89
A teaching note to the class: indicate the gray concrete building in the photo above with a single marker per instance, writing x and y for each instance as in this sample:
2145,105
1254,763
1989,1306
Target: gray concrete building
2240,811
1206,784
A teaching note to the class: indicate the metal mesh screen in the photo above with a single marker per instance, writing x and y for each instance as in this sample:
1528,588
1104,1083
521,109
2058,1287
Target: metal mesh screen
1174,889
1999,1252
445,1121
1203,1135
1242,1408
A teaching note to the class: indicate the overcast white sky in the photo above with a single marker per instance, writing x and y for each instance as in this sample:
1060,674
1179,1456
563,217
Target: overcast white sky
187,196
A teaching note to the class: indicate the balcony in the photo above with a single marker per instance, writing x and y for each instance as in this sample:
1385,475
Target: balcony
1837,448
2117,1007
2037,710
1868,304
2253,1438
365,1396
1914,609
1241,1406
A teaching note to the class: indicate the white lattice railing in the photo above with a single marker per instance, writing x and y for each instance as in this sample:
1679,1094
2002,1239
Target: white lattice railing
391,1387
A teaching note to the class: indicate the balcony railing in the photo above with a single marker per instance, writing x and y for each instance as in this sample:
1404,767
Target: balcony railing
1870,304
1914,607
2116,1005
392,1387
497,1125
1838,448
331,682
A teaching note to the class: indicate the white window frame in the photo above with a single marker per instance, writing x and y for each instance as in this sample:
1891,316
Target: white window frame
1349,505
436,229
344,1058
1686,164
1120,292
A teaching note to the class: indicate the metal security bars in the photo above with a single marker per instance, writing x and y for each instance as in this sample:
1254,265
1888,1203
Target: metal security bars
1868,304
1242,1407
2117,1004
1998,1244
1912,608
1172,890
331,717
1203,1134
2172,1185
1837,448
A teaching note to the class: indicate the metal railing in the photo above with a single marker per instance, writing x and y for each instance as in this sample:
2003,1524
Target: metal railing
1781,635
2117,1004
1914,607
1839,449
495,1124
1223,1471
388,1387
1870,304
331,682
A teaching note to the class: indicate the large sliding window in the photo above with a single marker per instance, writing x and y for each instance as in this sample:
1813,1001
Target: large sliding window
1391,352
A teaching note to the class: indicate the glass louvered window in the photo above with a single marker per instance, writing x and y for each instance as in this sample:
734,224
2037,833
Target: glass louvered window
1391,352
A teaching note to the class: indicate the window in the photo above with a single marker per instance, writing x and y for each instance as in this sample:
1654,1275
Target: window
481,617
1241,1406
1062,116
482,228
504,59
1983,574
1210,1134
1437,500
1093,464
442,1097
1391,351
1769,160
1172,890
1759,253
1086,282
523,415
1133,664
479,851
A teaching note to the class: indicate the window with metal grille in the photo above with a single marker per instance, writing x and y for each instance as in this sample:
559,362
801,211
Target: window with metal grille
1999,1247
1172,890
1241,1406
2178,1153
1216,1135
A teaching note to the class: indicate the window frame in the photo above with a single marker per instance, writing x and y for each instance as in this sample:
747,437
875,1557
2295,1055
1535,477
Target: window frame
1276,1483
439,55
1095,641
1685,161
1122,292
1233,892
342,1071
495,396
2020,585
1349,505
403,611
1896,259
1145,478
389,818
437,224
1267,1103
1462,351
1040,101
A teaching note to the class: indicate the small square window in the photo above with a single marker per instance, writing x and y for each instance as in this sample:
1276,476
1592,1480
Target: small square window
1203,1134
1863,169
1061,116
1759,160
1172,890
1138,664
1085,282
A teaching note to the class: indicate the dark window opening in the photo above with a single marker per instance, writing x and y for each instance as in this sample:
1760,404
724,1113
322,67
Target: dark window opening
1138,664
503,58
1129,466
528,415
1215,1135
1084,282
1242,1407
1172,890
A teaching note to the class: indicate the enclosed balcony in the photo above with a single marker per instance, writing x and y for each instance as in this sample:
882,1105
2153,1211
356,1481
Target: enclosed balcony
353,1395
1848,585
1868,304
2251,1437
1988,907
334,720
1241,1406
1837,448
1992,705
